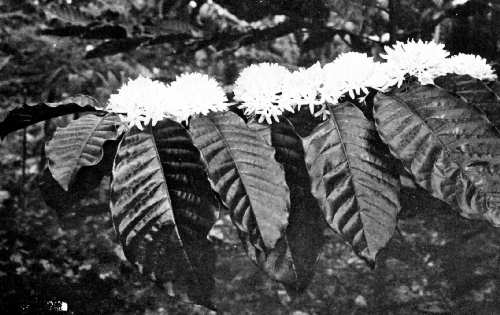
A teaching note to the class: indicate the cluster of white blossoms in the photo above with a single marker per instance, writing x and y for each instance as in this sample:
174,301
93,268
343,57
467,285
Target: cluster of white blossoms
472,65
268,90
260,88
140,101
143,101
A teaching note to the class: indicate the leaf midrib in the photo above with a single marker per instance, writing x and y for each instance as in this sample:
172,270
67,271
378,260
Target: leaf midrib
186,256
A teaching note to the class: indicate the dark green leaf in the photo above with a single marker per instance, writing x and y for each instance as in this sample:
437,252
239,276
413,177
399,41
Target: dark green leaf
353,179
80,144
27,115
246,176
295,259
161,202
449,147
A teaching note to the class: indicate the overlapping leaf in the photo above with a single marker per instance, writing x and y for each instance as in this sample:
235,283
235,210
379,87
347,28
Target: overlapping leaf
247,177
27,115
449,147
482,95
160,207
295,258
80,144
353,179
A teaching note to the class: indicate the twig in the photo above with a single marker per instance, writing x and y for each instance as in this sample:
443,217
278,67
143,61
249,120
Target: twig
23,176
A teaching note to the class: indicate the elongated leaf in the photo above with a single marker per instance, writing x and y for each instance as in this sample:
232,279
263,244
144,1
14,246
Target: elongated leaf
80,144
99,31
115,46
304,235
27,115
449,147
160,207
353,179
246,176
479,94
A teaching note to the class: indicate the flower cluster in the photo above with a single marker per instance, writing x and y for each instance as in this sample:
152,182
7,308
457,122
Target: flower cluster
140,101
267,90
423,60
472,65
260,88
143,101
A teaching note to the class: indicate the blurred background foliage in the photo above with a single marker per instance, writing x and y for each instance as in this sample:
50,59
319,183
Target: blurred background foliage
437,264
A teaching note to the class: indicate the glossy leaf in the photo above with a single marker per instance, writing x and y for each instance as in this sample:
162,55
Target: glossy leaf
485,96
247,177
160,208
353,179
449,147
294,260
27,115
80,144
70,202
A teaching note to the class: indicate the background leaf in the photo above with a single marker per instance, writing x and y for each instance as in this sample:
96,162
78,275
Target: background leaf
80,144
246,176
353,179
163,242
449,147
99,31
27,115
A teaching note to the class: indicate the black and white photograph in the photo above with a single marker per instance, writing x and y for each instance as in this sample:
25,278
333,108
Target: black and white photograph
249,157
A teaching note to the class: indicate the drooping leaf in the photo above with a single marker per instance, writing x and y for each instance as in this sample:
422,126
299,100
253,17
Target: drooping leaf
80,144
87,196
244,172
296,258
27,115
353,179
449,147
482,95
161,207
89,179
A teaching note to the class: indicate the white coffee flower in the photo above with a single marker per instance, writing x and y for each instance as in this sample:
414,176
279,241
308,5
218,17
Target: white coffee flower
387,77
472,65
351,73
303,88
194,94
140,101
458,2
424,60
259,87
